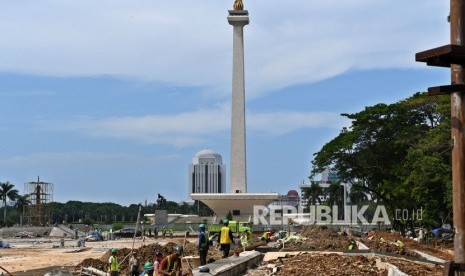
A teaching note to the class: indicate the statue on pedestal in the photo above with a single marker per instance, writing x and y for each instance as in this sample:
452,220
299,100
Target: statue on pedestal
238,6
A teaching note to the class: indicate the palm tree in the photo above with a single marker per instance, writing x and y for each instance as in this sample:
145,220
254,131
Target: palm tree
335,197
313,193
21,202
7,192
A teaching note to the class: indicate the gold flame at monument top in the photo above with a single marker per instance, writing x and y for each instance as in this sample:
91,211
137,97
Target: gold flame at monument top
238,6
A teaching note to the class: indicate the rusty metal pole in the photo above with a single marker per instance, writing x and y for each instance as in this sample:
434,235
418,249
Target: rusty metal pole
457,16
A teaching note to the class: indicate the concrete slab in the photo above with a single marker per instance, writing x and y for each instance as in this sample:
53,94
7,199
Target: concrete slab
269,256
391,269
362,246
233,265
429,257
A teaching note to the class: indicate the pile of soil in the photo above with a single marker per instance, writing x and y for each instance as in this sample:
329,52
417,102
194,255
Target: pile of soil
319,238
414,268
389,247
328,265
145,253
334,264
373,242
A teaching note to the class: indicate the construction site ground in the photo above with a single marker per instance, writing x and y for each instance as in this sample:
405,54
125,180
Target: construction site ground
302,256
31,257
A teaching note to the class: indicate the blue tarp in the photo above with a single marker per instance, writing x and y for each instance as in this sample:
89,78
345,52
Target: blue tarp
439,231
97,235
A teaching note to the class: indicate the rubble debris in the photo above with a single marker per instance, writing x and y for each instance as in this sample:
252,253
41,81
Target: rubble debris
58,272
414,268
385,242
4,244
319,264
317,238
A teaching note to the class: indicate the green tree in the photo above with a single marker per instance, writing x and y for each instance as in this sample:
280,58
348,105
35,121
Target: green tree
358,195
398,153
335,196
229,216
21,202
7,192
313,193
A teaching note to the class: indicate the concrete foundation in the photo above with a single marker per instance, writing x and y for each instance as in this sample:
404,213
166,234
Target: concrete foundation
232,266
392,270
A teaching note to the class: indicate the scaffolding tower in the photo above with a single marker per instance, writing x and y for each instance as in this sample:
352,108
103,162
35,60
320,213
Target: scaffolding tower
40,193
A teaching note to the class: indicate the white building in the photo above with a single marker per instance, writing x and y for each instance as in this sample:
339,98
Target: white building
207,174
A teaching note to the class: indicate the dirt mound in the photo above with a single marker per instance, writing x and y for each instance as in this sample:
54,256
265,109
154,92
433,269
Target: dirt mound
414,268
319,238
328,265
335,264
145,254
383,241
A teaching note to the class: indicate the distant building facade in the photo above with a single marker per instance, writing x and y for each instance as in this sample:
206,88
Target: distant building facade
327,178
207,174
292,198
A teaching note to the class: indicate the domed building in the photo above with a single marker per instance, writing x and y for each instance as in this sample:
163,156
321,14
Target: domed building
207,174
292,198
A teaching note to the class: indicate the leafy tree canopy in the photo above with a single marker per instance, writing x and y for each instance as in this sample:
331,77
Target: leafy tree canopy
399,153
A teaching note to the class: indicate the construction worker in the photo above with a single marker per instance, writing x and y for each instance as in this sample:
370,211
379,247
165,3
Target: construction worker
352,244
203,245
163,231
113,263
133,265
400,244
171,232
267,236
148,269
246,238
225,238
155,232
156,264
171,264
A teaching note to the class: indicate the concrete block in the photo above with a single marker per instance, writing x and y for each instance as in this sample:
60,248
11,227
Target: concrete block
232,266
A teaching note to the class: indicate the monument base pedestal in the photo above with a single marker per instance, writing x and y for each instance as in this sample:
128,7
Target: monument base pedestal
237,204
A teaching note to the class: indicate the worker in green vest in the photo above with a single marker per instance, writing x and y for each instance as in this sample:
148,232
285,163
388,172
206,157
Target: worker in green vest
246,238
113,263
225,238
163,231
267,236
171,232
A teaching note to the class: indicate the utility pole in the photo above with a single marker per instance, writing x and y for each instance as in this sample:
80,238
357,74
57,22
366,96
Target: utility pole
453,56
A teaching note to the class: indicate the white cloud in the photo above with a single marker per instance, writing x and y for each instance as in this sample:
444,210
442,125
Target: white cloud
75,160
196,127
280,123
189,42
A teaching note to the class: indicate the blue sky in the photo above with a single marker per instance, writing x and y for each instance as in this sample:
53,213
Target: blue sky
110,100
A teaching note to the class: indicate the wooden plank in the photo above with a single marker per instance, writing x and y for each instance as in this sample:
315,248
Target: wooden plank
446,89
442,56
